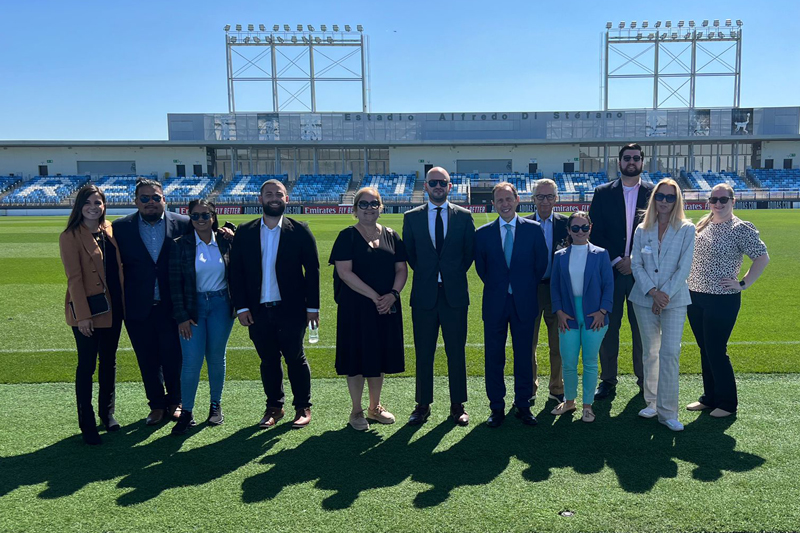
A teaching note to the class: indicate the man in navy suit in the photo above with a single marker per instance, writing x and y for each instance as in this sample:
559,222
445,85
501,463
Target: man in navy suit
510,258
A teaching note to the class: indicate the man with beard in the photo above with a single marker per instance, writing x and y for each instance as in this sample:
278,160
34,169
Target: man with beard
274,282
439,239
144,240
615,213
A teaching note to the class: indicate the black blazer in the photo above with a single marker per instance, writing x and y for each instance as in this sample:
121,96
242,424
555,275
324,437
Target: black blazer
560,233
457,256
183,276
608,216
296,268
140,270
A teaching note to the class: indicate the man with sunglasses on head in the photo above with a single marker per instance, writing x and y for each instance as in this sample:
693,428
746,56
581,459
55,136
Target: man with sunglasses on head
554,226
144,239
616,212
274,282
439,239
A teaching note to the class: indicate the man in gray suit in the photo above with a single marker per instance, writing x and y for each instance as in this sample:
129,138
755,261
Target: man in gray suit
439,239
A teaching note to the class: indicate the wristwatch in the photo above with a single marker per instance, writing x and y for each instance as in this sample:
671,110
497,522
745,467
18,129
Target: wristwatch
396,294
741,284
604,312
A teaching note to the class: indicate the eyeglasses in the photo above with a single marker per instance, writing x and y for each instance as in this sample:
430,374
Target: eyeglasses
636,158
145,198
543,197
585,228
670,198
198,216
721,199
438,183
374,204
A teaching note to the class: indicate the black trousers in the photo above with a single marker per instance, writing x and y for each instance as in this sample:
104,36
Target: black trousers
101,345
712,317
158,352
274,336
453,321
609,349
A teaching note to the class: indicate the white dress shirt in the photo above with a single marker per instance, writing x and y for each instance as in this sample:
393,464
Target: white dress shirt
270,239
208,265
503,230
432,223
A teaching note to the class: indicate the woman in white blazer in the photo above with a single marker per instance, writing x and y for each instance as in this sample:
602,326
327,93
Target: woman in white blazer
661,258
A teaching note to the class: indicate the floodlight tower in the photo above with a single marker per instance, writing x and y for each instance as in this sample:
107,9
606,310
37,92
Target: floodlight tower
297,47
670,43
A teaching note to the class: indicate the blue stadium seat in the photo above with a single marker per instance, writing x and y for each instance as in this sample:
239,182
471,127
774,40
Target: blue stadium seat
320,187
245,189
706,181
776,179
394,188
45,190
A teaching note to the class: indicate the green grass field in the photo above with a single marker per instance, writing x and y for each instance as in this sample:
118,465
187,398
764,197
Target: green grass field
622,473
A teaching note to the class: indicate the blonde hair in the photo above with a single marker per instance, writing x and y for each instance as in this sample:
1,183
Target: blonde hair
677,216
361,192
706,220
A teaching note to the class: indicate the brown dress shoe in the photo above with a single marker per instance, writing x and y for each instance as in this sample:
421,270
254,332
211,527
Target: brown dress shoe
174,412
301,418
271,417
459,414
155,417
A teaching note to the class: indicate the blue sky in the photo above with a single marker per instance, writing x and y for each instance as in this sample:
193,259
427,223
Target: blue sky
112,70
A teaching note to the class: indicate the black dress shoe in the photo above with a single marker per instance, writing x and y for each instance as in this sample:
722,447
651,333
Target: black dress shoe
604,390
91,437
185,421
524,414
110,423
496,418
419,415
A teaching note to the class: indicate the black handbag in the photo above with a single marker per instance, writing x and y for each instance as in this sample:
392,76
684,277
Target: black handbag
98,303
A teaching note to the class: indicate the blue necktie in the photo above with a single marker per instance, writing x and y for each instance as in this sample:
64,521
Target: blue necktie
508,249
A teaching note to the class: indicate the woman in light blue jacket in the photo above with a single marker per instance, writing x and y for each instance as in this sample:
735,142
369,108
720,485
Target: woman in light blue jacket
661,258
582,294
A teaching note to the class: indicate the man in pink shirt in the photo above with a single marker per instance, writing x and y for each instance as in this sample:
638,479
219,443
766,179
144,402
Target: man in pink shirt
615,215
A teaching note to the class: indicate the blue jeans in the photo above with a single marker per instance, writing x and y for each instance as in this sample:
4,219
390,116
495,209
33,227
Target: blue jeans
570,343
209,338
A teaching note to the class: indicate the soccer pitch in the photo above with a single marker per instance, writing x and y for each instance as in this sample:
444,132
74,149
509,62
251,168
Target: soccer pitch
621,473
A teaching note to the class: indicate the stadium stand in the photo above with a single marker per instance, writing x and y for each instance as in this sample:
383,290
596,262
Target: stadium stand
119,189
320,187
775,179
393,188
655,177
460,193
523,182
183,190
45,190
706,181
245,189
8,182
579,182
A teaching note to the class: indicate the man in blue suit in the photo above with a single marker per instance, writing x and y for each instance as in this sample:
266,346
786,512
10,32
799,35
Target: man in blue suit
510,258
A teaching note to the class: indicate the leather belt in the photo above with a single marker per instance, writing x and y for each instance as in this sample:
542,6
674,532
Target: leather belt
271,304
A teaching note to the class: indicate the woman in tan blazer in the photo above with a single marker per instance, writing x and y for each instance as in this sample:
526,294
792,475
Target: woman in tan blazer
93,306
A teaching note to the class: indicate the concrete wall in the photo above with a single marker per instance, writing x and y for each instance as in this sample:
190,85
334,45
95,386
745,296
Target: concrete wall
405,159
778,151
25,161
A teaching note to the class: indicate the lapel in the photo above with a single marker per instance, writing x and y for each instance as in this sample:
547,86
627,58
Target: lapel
496,243
171,231
619,198
519,237
642,197
450,224
137,237
565,268
589,269
424,230
669,235
91,247
286,229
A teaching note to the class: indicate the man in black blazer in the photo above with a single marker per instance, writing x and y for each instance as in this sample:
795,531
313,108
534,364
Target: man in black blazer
439,239
554,226
274,282
615,213
144,239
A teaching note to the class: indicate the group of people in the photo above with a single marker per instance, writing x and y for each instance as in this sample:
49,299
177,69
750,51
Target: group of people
180,282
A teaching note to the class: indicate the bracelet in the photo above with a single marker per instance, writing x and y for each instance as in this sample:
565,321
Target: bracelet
396,295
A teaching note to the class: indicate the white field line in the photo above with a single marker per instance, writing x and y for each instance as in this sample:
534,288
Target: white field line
324,347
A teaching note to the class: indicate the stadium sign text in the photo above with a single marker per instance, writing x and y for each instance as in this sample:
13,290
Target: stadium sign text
377,117
557,115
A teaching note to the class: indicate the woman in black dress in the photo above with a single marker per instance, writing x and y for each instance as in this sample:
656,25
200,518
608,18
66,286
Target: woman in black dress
370,262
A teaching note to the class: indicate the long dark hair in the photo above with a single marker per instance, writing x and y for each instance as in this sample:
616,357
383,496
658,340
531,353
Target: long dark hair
76,216
568,239
211,208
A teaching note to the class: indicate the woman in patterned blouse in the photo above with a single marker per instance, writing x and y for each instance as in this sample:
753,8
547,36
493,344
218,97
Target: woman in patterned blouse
721,242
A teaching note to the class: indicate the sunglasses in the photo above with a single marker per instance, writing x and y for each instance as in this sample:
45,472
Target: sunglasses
670,198
721,199
438,183
585,228
374,204
198,216
145,198
548,197
636,158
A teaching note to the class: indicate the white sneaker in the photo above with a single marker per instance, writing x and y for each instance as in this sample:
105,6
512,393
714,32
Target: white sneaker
648,412
672,424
